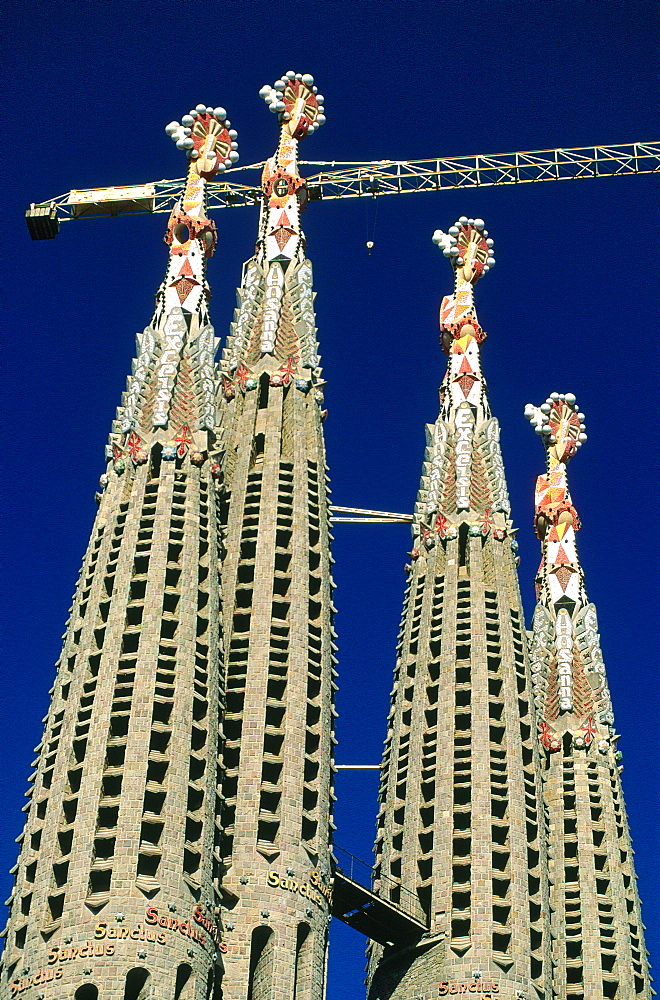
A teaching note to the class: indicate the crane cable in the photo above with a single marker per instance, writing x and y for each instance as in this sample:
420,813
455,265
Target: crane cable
371,228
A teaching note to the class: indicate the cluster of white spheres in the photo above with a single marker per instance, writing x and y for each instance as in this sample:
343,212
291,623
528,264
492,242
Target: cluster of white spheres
449,241
273,96
539,416
181,133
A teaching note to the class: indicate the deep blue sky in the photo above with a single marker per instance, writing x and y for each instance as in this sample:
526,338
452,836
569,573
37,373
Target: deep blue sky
571,306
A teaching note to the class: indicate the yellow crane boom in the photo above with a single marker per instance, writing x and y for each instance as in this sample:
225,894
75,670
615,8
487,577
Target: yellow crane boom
358,180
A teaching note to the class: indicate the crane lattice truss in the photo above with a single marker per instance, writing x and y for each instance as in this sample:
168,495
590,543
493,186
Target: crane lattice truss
356,180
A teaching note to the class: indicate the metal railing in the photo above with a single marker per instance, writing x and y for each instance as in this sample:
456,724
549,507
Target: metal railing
382,886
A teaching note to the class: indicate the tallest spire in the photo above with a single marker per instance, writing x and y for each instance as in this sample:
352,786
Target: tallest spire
276,573
277,286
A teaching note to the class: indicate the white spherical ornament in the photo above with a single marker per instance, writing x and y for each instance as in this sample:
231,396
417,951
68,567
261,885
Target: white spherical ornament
194,155
529,411
220,166
581,416
545,408
486,269
286,117
570,398
180,144
478,223
279,85
220,114
280,106
171,128
537,429
187,120
437,236
315,125
200,109
320,119
490,243
308,79
491,261
463,220
290,74
265,91
453,230
298,76
554,396
187,131
188,143
234,145
582,438
320,98
233,134
233,156
446,252
315,90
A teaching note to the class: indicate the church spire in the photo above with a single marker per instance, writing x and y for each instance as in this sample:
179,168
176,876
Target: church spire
570,686
278,611
461,822
124,802
598,941
274,328
170,398
464,475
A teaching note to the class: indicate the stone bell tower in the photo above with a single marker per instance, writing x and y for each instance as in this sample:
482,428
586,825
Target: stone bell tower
598,937
117,883
276,572
461,817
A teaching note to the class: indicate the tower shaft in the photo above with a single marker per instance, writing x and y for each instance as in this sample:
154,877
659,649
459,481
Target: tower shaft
598,939
278,718
461,820
116,887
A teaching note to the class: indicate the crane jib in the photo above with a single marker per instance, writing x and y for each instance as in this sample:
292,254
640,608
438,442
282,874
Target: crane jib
356,180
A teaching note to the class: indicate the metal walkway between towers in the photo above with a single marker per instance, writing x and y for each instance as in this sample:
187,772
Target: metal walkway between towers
356,902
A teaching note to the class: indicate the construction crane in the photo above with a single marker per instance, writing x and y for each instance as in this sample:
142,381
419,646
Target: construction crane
356,180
